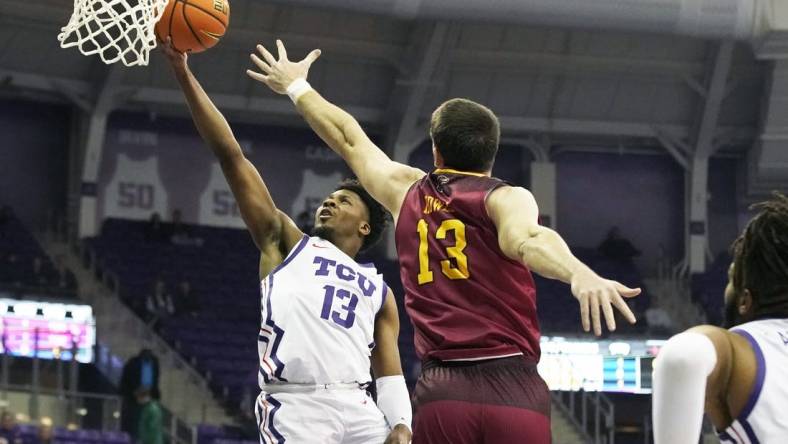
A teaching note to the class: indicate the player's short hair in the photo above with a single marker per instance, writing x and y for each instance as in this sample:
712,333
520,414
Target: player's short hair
760,258
378,216
466,134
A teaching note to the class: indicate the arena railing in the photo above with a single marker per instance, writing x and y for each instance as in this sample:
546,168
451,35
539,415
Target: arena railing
143,334
592,413
84,410
81,409
647,432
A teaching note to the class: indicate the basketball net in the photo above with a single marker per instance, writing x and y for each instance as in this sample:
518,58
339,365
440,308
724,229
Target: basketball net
117,30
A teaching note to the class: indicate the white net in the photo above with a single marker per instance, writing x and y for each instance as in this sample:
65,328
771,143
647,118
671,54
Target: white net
117,30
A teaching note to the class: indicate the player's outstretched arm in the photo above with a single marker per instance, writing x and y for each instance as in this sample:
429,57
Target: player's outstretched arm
393,398
267,225
521,238
387,181
691,370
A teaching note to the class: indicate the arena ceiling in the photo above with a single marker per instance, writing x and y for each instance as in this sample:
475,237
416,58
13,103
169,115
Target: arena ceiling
551,87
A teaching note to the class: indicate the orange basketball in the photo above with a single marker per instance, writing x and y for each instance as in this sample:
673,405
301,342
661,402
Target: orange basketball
194,25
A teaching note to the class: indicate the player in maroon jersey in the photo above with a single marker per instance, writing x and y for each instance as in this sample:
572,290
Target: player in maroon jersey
466,244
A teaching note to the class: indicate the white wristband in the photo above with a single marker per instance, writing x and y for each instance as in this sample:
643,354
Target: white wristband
298,88
394,400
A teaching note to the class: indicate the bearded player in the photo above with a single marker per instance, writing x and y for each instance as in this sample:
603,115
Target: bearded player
466,244
325,318
740,375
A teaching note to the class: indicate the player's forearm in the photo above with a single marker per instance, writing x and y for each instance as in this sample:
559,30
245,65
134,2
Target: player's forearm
385,359
546,254
393,398
331,123
210,122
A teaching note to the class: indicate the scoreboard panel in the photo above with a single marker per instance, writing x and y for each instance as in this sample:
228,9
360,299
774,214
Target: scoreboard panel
47,330
609,366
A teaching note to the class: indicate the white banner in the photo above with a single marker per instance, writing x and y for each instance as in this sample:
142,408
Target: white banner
136,190
217,204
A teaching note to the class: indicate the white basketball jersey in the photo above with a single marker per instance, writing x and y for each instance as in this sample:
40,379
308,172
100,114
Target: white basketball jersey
764,419
318,317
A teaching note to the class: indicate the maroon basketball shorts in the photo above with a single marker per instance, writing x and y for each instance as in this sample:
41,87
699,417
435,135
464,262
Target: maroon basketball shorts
496,401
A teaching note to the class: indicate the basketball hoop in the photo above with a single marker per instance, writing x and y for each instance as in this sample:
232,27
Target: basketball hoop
117,30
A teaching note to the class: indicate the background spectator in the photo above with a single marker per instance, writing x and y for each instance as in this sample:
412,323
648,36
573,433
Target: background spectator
11,270
140,371
46,434
617,247
247,402
40,274
9,432
155,230
659,321
178,228
150,428
159,304
186,302
64,278
181,234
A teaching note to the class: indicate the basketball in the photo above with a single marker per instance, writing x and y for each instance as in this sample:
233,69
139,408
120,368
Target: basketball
194,25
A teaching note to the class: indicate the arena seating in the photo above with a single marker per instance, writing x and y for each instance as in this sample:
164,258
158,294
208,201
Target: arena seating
61,435
222,272
207,434
19,252
220,338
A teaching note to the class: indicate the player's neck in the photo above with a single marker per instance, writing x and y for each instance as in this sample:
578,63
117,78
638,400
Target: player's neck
349,246
449,170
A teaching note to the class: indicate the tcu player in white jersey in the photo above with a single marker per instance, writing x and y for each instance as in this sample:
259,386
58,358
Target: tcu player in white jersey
325,318
739,374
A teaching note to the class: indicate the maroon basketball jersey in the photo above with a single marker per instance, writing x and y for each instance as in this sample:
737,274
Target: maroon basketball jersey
466,299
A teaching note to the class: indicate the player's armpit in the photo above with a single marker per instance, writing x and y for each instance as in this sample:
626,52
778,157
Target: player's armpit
721,340
726,396
276,250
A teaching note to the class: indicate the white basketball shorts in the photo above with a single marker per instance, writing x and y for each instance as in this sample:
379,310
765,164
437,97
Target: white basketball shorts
324,416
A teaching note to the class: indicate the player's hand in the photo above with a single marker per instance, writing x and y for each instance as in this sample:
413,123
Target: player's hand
401,434
596,295
278,74
176,59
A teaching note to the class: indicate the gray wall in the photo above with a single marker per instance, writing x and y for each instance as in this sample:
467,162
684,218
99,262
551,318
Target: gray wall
642,195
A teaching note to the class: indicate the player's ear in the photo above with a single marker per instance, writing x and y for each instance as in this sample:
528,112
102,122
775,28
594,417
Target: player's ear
745,303
365,228
437,157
